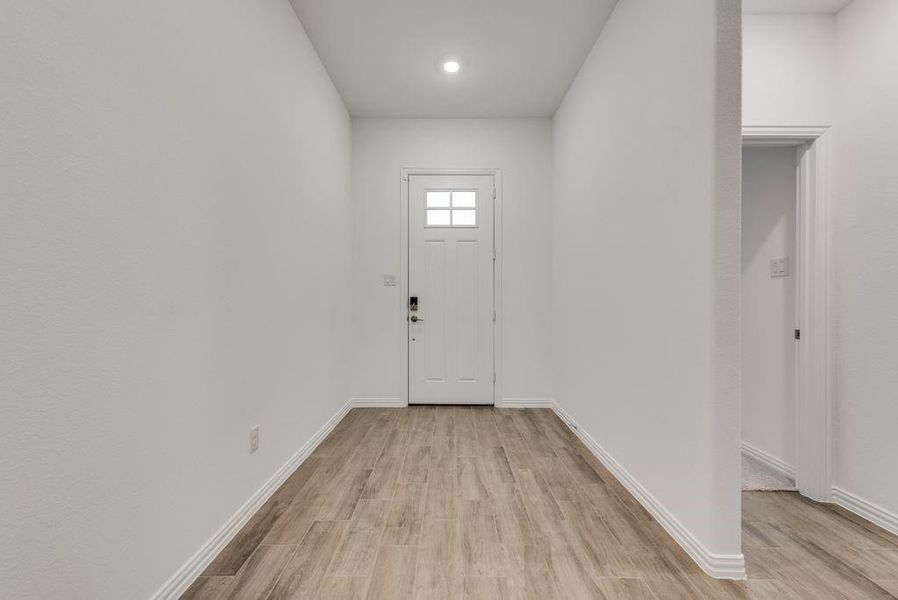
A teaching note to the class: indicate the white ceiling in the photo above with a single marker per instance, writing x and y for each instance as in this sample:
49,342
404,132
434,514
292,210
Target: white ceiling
826,7
518,56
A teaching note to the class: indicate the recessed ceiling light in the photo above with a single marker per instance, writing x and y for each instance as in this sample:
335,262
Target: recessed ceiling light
451,66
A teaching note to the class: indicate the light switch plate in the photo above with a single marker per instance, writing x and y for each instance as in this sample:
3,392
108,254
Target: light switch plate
389,280
253,439
779,267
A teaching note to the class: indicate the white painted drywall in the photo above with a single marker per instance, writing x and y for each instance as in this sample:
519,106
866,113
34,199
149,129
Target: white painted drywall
768,304
865,252
646,253
522,149
175,268
788,69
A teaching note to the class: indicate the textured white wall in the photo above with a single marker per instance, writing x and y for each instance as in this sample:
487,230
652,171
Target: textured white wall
522,149
768,304
865,251
788,69
175,268
645,255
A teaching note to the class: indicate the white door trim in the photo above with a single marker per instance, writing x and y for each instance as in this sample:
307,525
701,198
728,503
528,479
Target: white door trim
402,316
813,468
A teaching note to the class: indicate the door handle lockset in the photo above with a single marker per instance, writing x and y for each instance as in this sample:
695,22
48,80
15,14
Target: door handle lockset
415,319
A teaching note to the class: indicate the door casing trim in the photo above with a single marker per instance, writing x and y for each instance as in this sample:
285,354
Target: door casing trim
813,468
402,315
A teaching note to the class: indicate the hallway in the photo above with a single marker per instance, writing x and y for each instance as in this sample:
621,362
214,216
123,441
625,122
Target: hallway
452,502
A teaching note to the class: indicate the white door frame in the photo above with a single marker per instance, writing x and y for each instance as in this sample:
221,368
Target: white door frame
402,319
813,468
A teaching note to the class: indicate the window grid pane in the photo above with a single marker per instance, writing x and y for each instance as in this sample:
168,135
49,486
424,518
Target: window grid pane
466,199
438,199
464,217
438,217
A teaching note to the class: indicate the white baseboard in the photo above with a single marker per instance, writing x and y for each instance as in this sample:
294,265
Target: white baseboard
719,566
503,403
525,403
192,569
771,462
866,509
377,403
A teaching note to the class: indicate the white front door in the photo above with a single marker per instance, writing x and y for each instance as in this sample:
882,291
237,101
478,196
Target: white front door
450,264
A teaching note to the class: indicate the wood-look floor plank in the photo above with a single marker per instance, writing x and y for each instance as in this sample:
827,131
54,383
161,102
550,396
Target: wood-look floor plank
340,588
259,575
528,572
406,515
626,589
562,484
239,549
878,532
207,588
422,428
443,452
396,442
540,503
470,483
345,494
394,573
487,432
416,465
293,524
305,570
482,552
356,554
537,442
294,484
370,449
556,432
382,482
403,418
890,585
572,577
442,501
598,551
576,465
444,423
466,440
512,519
486,588
495,468
438,573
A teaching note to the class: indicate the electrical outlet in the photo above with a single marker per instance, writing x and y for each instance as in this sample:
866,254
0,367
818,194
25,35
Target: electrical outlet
253,439
779,267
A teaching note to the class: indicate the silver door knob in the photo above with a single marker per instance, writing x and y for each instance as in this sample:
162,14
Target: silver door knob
415,319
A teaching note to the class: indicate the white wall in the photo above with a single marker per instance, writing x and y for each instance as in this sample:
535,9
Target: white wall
865,252
522,149
768,304
788,69
175,268
645,256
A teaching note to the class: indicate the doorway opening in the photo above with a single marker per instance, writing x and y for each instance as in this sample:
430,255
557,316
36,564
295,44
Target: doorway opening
808,379
450,286
770,273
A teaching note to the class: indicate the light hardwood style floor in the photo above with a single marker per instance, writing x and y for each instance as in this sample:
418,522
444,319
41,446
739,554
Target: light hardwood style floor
461,502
